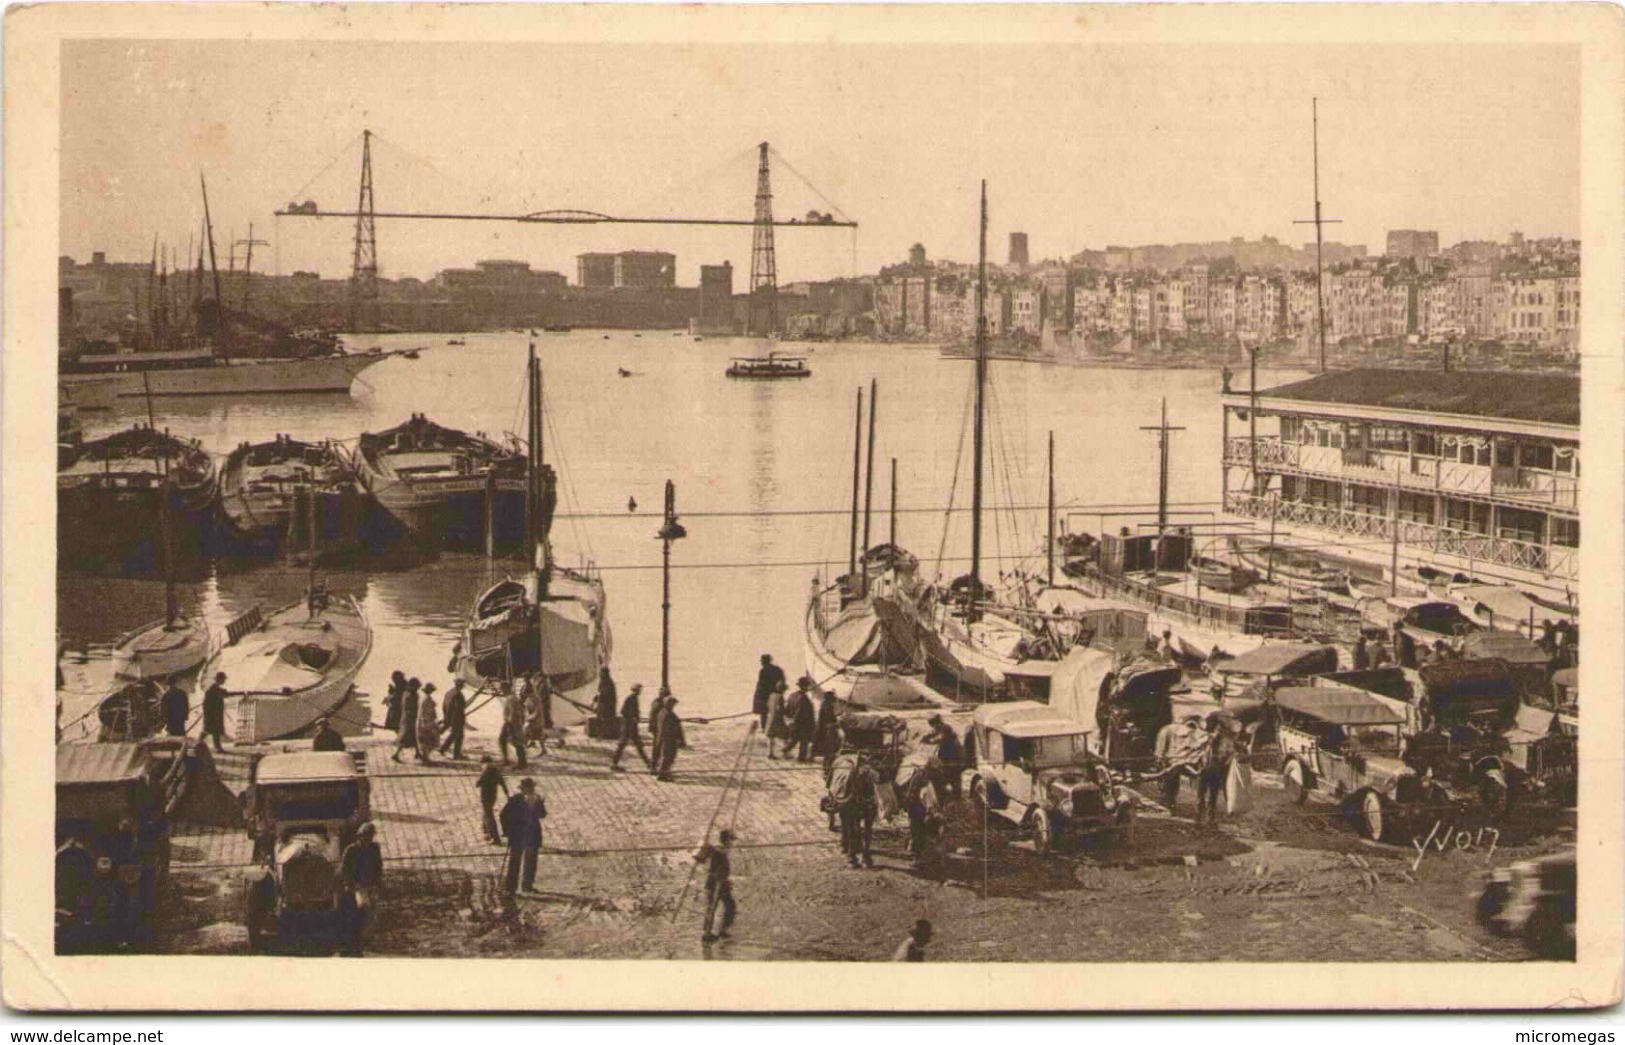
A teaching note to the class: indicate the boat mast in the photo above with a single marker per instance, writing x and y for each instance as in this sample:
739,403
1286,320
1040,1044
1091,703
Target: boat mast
893,536
869,482
857,449
214,266
1049,544
981,383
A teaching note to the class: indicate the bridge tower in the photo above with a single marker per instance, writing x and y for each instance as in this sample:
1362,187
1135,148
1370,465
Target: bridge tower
764,279
364,270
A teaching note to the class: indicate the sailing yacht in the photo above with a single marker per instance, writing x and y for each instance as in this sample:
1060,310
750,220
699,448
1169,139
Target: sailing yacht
553,621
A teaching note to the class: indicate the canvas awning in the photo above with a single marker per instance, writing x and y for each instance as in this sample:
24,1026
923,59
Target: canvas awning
1343,707
1281,658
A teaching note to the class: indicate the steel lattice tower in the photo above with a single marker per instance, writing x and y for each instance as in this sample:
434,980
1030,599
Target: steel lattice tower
764,277
364,270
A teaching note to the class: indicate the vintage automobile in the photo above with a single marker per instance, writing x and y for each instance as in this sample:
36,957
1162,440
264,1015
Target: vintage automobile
1529,665
1565,697
1036,769
112,860
1345,744
1534,899
303,810
1484,738
1128,697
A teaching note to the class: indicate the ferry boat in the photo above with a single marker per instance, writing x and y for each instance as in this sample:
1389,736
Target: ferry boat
440,483
262,486
769,366
200,371
1470,473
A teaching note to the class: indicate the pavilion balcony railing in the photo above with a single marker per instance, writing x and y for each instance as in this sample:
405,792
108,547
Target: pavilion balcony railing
1383,468
1552,559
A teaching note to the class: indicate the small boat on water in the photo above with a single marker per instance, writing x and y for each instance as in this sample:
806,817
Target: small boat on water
262,486
410,353
624,372
161,649
1221,576
111,493
295,665
1283,561
769,367
436,482
456,341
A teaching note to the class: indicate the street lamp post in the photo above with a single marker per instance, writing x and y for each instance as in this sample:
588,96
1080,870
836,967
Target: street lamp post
670,530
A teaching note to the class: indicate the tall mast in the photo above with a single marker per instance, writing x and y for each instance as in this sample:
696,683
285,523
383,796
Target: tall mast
1049,544
869,481
214,266
981,383
893,535
1163,430
857,449
152,292
532,452
1318,221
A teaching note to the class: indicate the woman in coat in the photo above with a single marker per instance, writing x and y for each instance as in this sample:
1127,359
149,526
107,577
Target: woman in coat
777,727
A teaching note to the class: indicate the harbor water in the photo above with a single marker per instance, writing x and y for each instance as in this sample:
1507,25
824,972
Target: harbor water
764,483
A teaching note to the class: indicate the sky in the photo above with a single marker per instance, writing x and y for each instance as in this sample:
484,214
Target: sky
1082,146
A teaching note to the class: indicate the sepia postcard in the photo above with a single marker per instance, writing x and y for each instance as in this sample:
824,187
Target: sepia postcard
1052,494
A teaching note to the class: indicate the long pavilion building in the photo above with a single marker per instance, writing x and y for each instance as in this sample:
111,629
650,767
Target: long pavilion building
1467,472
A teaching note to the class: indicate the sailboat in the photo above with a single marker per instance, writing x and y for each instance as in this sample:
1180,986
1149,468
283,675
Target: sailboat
551,622
859,645
976,649
296,665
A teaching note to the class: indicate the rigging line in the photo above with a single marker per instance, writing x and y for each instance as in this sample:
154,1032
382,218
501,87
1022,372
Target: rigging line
341,154
1080,508
663,200
953,486
803,178
567,480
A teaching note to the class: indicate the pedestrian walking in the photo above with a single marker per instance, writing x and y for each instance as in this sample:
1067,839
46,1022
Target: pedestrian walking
718,886
912,949
856,804
668,737
805,720
513,730
777,726
1175,744
490,779
827,739
1218,752
608,705
631,723
177,709
950,754
522,818
769,679
406,737
456,718
214,710
428,734
656,706
392,702
361,872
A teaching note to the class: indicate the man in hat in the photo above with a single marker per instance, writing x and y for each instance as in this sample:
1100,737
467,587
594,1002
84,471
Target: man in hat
513,730
718,885
767,680
327,738
668,735
490,779
214,710
1175,742
950,755
176,710
912,949
1218,751
361,871
522,822
631,723
456,719
804,718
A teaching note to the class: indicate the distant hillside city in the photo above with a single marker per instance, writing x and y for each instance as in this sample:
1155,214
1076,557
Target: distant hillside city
1514,304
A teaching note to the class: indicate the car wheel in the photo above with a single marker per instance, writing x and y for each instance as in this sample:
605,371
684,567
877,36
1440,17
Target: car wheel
1493,793
1546,934
1292,778
1373,816
1491,902
1043,832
